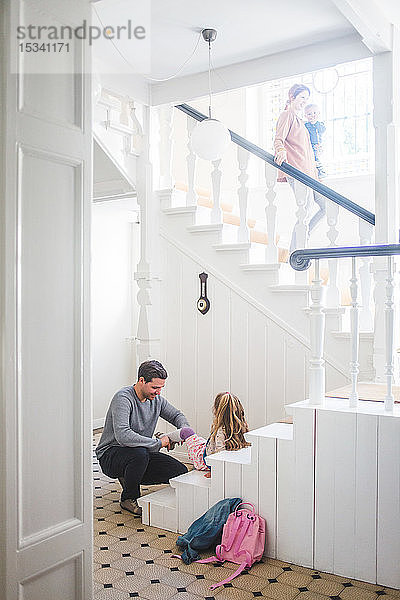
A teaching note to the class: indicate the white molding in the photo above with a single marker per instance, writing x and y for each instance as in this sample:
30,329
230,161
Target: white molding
259,70
370,22
257,305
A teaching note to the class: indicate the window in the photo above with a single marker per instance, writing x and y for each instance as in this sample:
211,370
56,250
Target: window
344,96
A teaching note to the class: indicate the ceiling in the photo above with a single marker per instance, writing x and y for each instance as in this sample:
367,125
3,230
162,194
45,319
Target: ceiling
247,29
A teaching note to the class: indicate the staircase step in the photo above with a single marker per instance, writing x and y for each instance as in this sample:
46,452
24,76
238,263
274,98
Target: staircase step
194,478
180,210
206,228
159,509
281,431
239,247
242,457
284,289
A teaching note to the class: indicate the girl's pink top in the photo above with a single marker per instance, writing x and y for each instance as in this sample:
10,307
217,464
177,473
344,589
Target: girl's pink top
292,136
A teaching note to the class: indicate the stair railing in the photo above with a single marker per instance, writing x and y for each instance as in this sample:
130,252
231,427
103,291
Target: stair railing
301,260
335,201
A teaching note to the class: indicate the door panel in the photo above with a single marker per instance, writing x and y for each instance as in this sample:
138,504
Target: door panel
46,187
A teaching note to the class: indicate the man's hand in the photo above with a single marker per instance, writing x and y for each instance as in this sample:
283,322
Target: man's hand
165,442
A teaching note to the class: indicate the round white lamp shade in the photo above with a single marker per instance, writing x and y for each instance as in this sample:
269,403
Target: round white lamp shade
210,139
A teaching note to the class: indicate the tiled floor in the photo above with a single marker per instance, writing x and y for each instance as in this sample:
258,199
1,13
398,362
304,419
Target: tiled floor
132,560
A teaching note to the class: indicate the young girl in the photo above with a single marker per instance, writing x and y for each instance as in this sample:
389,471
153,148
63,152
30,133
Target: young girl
227,431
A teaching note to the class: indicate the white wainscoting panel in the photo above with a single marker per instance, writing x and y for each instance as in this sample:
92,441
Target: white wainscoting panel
388,531
235,347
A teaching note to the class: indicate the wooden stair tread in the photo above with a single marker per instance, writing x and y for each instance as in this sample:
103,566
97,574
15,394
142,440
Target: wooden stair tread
369,391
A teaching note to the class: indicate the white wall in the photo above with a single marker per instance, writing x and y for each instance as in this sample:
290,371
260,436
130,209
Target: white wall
235,347
115,237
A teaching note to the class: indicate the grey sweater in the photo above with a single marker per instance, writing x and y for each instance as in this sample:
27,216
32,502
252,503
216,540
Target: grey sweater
130,422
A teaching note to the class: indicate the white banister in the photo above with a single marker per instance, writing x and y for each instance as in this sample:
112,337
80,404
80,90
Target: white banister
191,198
389,325
166,146
354,327
366,319
243,193
216,174
317,331
271,251
332,292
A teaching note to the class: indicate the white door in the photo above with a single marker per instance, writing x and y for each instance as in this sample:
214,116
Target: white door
45,428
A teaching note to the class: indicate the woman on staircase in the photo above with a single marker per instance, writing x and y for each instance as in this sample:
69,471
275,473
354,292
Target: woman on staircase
292,145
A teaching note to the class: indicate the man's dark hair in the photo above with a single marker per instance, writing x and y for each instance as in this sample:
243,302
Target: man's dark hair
152,369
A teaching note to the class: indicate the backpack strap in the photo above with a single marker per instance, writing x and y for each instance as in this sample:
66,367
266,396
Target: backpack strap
228,579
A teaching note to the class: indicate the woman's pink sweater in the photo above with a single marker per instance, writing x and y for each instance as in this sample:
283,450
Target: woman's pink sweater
292,136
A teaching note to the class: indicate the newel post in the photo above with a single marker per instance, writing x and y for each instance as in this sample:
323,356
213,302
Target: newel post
317,331
147,273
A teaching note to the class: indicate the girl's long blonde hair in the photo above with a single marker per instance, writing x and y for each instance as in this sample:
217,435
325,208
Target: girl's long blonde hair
229,416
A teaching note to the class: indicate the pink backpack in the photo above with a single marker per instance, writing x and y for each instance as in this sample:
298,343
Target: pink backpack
243,541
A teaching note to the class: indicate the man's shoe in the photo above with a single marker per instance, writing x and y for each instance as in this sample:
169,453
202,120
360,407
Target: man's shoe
132,506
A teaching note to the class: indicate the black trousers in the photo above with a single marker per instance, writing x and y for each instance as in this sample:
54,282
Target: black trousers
138,465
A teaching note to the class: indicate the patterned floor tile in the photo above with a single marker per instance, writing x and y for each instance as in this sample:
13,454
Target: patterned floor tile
105,556
217,573
124,547
112,594
234,594
201,587
186,596
100,541
121,517
280,591
251,583
295,578
311,596
147,553
158,591
108,575
323,586
166,543
178,579
131,583
266,570
152,571
127,564
102,513
358,593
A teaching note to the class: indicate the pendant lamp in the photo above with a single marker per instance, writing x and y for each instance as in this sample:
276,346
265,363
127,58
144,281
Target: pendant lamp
210,137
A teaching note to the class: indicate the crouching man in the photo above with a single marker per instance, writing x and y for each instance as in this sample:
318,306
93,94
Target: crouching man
127,449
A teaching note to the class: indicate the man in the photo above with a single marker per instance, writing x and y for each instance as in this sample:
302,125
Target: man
127,449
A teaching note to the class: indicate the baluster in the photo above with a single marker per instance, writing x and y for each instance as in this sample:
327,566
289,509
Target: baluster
243,192
137,136
354,321
366,320
216,174
389,324
317,327
271,251
299,235
191,198
124,114
166,147
332,292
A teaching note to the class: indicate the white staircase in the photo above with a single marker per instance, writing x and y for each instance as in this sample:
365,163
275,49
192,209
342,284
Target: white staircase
328,486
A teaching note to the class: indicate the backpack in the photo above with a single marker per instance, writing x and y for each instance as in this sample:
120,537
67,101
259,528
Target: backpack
205,532
243,541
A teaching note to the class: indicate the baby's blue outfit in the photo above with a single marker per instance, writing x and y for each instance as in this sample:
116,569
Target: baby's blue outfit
316,131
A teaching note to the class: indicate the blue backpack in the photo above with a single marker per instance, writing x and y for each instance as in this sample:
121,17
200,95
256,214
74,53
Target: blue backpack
206,530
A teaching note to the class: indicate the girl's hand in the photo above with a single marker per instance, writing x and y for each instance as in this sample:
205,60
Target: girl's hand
280,157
